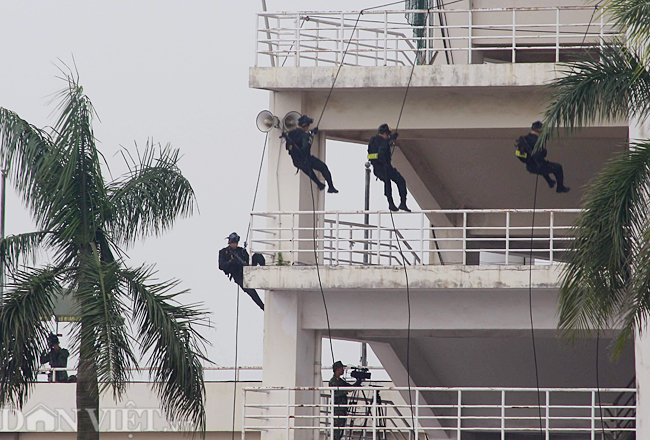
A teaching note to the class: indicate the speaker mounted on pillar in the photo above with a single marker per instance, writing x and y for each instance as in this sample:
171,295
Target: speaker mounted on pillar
290,121
265,121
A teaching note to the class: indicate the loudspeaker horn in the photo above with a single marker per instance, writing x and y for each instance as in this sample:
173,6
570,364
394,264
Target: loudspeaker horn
265,121
290,120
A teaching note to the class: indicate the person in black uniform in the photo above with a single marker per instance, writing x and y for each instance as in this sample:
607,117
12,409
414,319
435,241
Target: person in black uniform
536,163
340,397
299,146
57,357
232,260
379,154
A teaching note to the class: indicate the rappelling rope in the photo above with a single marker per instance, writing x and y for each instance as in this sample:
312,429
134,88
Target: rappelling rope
313,201
234,393
257,185
399,246
340,65
530,309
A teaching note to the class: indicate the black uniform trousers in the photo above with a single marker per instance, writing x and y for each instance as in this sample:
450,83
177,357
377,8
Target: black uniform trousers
387,173
238,277
544,168
309,167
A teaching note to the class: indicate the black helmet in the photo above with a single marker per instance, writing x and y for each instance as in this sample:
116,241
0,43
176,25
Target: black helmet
305,120
537,126
384,128
233,238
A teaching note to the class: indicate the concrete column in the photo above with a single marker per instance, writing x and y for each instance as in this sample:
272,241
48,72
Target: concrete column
642,364
291,359
288,190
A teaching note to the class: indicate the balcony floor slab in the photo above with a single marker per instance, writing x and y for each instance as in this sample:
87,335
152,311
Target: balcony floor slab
392,277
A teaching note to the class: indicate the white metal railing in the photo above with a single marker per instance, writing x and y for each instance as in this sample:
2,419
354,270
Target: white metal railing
452,36
382,412
470,237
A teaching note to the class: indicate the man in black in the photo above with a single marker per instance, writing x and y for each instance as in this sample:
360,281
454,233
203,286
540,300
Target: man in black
340,396
57,357
232,260
536,162
299,146
379,154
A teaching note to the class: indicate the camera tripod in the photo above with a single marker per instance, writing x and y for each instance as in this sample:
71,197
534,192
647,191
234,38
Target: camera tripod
365,413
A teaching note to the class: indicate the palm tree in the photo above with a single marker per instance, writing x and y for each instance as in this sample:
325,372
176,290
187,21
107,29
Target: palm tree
606,283
84,223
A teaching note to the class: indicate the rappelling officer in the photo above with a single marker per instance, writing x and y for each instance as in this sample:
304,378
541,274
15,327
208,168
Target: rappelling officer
536,162
299,145
379,155
232,260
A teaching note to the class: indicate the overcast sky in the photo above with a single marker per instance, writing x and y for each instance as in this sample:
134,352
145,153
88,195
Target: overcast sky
176,72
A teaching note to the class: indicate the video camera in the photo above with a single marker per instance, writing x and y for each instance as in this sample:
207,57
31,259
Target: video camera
360,374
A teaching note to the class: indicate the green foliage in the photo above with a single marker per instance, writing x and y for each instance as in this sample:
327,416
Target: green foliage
82,221
606,282
281,261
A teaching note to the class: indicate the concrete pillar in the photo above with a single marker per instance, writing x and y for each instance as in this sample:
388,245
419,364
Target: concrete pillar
291,191
291,359
642,364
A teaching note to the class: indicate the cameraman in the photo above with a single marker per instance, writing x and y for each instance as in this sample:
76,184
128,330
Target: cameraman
57,357
340,396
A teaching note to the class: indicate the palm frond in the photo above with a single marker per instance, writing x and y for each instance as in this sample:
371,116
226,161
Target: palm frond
613,85
630,17
23,332
602,266
151,196
167,331
20,248
25,154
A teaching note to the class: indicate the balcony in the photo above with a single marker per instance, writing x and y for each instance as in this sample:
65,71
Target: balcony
377,238
442,412
437,36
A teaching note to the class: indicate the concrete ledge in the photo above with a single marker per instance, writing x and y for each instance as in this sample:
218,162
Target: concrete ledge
354,77
392,277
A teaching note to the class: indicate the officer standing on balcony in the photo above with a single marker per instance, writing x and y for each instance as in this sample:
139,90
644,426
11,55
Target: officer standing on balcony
232,260
379,155
57,357
299,145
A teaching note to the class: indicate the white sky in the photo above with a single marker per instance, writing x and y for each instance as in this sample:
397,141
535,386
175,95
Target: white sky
177,72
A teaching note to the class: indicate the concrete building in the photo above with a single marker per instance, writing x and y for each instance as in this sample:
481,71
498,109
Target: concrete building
476,78
461,357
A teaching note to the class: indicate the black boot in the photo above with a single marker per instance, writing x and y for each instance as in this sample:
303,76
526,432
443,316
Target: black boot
391,206
403,206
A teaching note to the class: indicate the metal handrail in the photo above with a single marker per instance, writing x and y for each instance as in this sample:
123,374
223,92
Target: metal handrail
477,236
313,408
381,37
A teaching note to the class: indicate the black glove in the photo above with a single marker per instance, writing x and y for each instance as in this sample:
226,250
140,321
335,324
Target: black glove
314,131
393,136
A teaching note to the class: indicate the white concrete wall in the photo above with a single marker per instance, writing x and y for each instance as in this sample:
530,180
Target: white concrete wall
51,408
